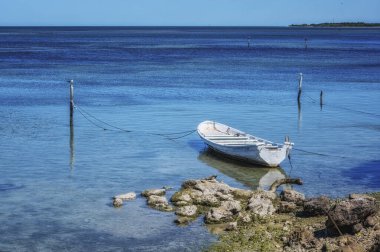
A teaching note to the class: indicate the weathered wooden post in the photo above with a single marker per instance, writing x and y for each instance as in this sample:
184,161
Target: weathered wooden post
299,89
71,123
71,100
321,99
299,122
305,43
249,41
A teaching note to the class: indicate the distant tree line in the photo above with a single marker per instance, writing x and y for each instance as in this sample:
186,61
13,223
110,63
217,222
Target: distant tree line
342,24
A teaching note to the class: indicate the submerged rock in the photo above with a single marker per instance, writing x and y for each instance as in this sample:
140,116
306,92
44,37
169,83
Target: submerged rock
182,220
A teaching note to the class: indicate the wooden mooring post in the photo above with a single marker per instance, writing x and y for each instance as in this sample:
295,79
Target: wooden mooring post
71,100
71,123
305,43
299,89
321,99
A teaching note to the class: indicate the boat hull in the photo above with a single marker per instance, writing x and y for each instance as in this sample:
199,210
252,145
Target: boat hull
241,146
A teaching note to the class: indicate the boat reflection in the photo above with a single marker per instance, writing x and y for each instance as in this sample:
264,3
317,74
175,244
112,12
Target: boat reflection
253,176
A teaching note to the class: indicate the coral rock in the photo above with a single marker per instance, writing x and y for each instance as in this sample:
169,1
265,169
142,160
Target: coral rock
232,206
218,215
260,205
126,196
157,192
117,202
188,211
292,196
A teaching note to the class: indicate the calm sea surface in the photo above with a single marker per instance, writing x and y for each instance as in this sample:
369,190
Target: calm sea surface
154,80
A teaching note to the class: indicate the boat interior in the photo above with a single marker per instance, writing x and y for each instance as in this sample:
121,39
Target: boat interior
224,135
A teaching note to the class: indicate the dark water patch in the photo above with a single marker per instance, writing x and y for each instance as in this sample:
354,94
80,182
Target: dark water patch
197,145
366,173
9,187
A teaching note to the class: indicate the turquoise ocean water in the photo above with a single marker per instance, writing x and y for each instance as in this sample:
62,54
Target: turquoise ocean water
54,197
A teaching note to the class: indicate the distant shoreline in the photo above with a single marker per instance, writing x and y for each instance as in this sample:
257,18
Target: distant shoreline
321,25
342,24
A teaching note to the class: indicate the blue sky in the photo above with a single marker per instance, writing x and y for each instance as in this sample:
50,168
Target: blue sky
181,12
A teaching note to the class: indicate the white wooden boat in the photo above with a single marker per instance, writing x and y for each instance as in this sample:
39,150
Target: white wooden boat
240,145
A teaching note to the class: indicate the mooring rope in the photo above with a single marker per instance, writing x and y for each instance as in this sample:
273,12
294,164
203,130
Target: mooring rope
115,127
321,154
88,119
173,138
353,110
291,166
86,115
341,107
312,99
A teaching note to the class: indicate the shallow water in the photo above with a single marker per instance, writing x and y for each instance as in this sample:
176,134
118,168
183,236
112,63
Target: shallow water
168,80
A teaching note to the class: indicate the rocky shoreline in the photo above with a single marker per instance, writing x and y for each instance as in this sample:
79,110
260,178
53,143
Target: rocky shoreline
261,220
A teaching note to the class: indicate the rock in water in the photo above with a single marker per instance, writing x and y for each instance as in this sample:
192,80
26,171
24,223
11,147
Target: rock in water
126,196
181,197
117,202
157,192
159,202
207,200
183,220
188,211
348,213
155,200
293,196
